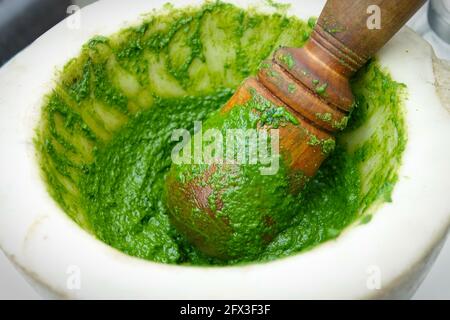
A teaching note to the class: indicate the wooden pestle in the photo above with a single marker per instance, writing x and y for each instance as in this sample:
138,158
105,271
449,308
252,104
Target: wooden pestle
312,84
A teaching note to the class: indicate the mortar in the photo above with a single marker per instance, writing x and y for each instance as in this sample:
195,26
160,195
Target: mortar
397,246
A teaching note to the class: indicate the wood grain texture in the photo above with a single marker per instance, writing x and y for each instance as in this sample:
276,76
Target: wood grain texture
347,22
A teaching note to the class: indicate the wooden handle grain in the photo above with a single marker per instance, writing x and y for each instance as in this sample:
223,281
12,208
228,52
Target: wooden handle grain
359,28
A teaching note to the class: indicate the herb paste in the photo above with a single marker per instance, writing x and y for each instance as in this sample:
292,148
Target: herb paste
104,144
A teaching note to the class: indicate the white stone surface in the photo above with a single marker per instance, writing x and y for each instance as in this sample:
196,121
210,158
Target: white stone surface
23,235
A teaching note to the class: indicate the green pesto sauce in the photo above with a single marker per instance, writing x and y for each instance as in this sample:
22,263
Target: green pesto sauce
246,208
104,138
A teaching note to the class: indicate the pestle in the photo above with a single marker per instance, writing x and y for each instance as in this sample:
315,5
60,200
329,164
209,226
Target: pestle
299,100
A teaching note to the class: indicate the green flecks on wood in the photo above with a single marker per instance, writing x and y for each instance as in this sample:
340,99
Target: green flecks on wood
321,90
264,66
273,74
292,88
314,141
305,72
327,117
345,64
327,145
270,114
288,60
340,125
331,25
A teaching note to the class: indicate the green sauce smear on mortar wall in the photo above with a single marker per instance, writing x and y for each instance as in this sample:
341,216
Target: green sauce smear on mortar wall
104,140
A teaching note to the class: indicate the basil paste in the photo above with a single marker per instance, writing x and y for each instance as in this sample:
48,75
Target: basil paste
104,140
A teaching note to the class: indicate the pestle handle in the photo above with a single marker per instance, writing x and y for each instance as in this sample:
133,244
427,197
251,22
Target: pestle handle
356,29
347,34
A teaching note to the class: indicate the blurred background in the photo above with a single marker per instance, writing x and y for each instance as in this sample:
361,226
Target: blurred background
23,21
